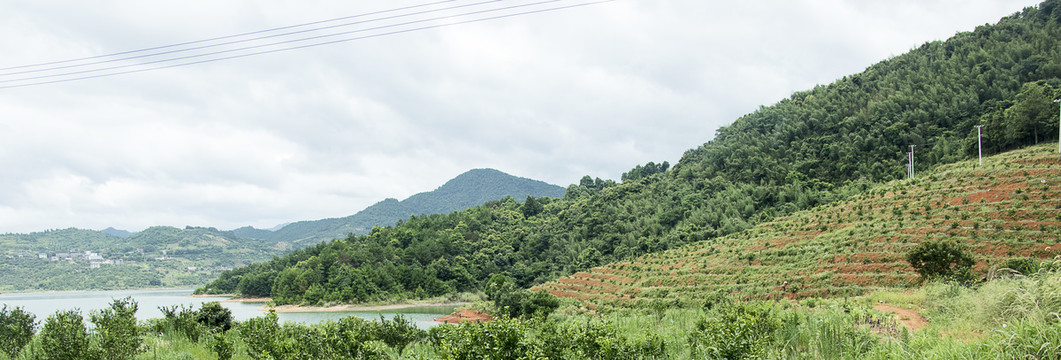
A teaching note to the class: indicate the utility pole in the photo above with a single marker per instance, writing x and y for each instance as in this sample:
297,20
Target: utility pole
910,172
980,144
1058,125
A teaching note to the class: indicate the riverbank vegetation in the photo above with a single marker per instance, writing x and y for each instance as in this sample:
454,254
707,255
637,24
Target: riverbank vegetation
1010,317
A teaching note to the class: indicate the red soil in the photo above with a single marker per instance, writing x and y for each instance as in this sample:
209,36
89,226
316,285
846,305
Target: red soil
465,315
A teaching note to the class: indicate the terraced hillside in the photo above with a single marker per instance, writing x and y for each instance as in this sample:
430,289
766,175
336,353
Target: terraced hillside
1009,207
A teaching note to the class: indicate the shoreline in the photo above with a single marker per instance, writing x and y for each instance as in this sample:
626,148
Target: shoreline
248,300
211,295
355,308
32,291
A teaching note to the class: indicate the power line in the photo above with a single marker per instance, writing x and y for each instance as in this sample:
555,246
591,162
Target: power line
168,52
186,57
226,37
286,42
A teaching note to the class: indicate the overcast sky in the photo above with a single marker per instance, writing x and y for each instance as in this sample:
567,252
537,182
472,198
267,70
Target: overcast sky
326,131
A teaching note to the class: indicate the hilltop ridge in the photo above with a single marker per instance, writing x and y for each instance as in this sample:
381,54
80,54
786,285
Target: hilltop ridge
471,188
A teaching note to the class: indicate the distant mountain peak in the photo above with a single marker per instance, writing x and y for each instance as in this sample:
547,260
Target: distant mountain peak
117,232
471,188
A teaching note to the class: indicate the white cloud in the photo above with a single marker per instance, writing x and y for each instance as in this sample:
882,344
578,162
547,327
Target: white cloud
326,131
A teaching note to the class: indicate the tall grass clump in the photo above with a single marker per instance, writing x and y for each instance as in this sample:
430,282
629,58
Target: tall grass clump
826,334
1014,317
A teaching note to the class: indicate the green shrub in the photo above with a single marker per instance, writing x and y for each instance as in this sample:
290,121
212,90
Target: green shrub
260,334
515,302
737,331
502,338
119,337
399,332
221,346
181,320
64,336
1023,265
940,259
348,338
594,340
16,330
214,316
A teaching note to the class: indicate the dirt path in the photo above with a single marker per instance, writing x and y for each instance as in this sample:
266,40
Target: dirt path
909,318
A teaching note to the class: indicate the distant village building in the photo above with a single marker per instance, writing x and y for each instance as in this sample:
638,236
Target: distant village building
97,264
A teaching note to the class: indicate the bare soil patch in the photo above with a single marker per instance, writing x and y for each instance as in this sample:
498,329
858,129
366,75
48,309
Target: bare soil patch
465,315
909,318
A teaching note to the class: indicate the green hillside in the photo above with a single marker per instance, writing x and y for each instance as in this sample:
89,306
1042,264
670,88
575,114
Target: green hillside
77,259
52,241
168,256
469,189
826,144
1007,209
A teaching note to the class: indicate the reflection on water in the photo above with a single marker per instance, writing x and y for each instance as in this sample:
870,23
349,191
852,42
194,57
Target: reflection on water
44,304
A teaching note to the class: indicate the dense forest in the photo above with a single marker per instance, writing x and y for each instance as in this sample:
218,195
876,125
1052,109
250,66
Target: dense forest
815,147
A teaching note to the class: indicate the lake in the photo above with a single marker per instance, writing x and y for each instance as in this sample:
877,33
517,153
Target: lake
44,304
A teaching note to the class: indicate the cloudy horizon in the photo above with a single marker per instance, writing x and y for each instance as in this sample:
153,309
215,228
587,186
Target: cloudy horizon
326,131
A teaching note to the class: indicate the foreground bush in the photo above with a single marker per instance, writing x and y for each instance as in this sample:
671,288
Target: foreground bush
64,336
348,338
16,330
737,331
191,323
118,337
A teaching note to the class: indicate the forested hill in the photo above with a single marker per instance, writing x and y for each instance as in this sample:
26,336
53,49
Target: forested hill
77,259
1004,76
472,188
816,147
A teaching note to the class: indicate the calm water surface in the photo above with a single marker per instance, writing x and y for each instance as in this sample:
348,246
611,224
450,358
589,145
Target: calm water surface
44,304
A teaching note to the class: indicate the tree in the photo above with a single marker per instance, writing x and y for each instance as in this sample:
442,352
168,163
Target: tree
1032,114
498,287
540,303
64,336
260,335
16,330
940,259
399,332
256,284
119,338
531,207
214,316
